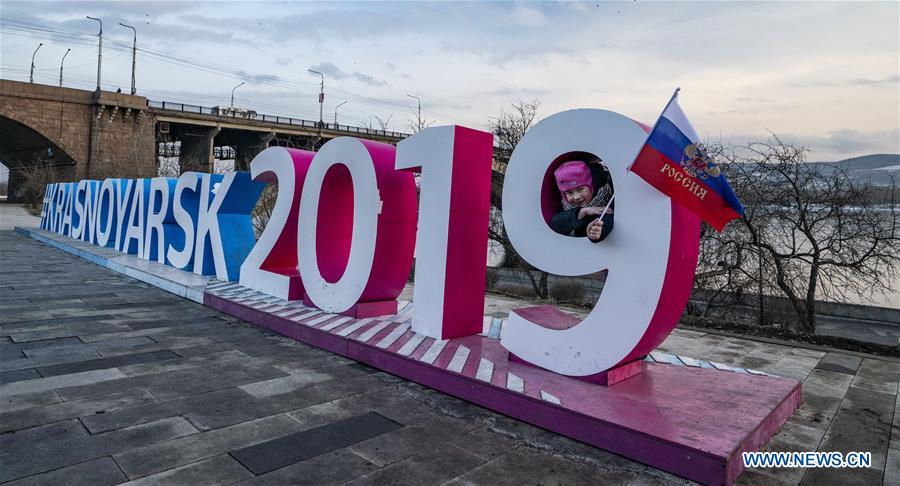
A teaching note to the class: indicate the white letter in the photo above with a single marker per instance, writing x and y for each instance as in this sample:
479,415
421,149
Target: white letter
106,212
45,207
157,213
135,223
454,160
271,267
235,198
641,298
343,294
78,217
124,187
186,216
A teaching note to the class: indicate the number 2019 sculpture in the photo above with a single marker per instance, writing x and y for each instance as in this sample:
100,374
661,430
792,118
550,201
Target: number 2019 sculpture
346,224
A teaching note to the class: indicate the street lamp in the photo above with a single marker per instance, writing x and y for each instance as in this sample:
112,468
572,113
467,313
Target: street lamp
99,50
61,66
31,75
335,112
321,93
420,110
133,56
232,93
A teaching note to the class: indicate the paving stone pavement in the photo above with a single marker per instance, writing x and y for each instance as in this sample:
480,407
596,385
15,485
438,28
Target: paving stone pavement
106,380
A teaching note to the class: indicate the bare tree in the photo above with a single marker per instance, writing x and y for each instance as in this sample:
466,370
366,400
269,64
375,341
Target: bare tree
168,167
375,122
263,210
416,125
810,232
191,163
34,179
508,129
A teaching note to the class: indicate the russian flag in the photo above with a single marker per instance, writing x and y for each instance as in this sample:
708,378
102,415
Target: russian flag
674,162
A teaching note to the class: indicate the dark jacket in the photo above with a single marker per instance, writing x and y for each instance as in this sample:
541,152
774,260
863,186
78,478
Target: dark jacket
566,222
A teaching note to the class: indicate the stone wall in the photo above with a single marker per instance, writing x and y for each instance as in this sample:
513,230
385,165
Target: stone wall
62,115
106,134
124,138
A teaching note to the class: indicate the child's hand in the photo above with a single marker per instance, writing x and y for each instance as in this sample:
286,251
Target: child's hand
595,229
589,211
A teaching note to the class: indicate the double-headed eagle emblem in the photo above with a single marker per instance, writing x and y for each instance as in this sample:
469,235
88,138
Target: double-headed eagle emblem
698,163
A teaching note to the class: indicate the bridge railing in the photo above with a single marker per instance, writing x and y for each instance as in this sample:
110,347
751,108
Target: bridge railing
281,120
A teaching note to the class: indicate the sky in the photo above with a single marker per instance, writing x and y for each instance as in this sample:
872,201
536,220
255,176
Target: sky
822,75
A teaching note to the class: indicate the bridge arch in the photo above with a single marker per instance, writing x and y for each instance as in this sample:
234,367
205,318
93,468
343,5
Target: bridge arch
32,158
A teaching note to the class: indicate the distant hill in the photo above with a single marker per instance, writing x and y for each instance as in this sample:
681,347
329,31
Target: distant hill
869,162
877,169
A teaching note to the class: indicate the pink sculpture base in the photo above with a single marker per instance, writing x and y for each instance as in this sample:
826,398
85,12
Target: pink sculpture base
690,421
607,378
372,309
365,309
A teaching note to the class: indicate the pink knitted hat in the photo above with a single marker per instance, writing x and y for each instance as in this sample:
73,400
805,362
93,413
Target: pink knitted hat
572,175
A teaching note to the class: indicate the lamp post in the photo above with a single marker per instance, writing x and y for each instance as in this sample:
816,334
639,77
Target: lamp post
419,100
321,93
335,111
61,66
99,50
133,56
232,93
31,74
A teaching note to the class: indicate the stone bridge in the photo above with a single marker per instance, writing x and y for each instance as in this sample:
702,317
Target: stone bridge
61,134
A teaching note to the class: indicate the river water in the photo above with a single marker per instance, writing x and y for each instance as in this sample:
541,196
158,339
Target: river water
881,299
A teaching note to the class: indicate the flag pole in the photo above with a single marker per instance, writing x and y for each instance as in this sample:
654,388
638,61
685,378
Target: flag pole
674,95
628,169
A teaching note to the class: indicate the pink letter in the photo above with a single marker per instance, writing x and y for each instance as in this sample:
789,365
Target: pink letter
454,205
271,267
362,213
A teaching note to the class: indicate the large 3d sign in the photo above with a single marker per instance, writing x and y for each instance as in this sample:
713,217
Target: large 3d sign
198,222
345,224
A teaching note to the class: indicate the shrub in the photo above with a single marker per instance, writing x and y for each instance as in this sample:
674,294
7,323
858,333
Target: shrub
567,291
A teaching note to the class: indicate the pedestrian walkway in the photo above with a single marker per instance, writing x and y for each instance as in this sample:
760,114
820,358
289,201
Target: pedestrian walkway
104,380
12,215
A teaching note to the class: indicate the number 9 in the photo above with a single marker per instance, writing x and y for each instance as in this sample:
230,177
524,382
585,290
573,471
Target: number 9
651,255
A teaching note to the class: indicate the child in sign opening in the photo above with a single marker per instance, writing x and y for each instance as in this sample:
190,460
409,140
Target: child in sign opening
586,188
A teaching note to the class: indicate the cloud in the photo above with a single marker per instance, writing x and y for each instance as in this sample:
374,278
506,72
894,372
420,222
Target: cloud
482,54
256,78
849,82
132,9
770,106
890,79
504,55
507,91
747,99
330,70
854,141
527,16
325,25
838,144
156,22
365,78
